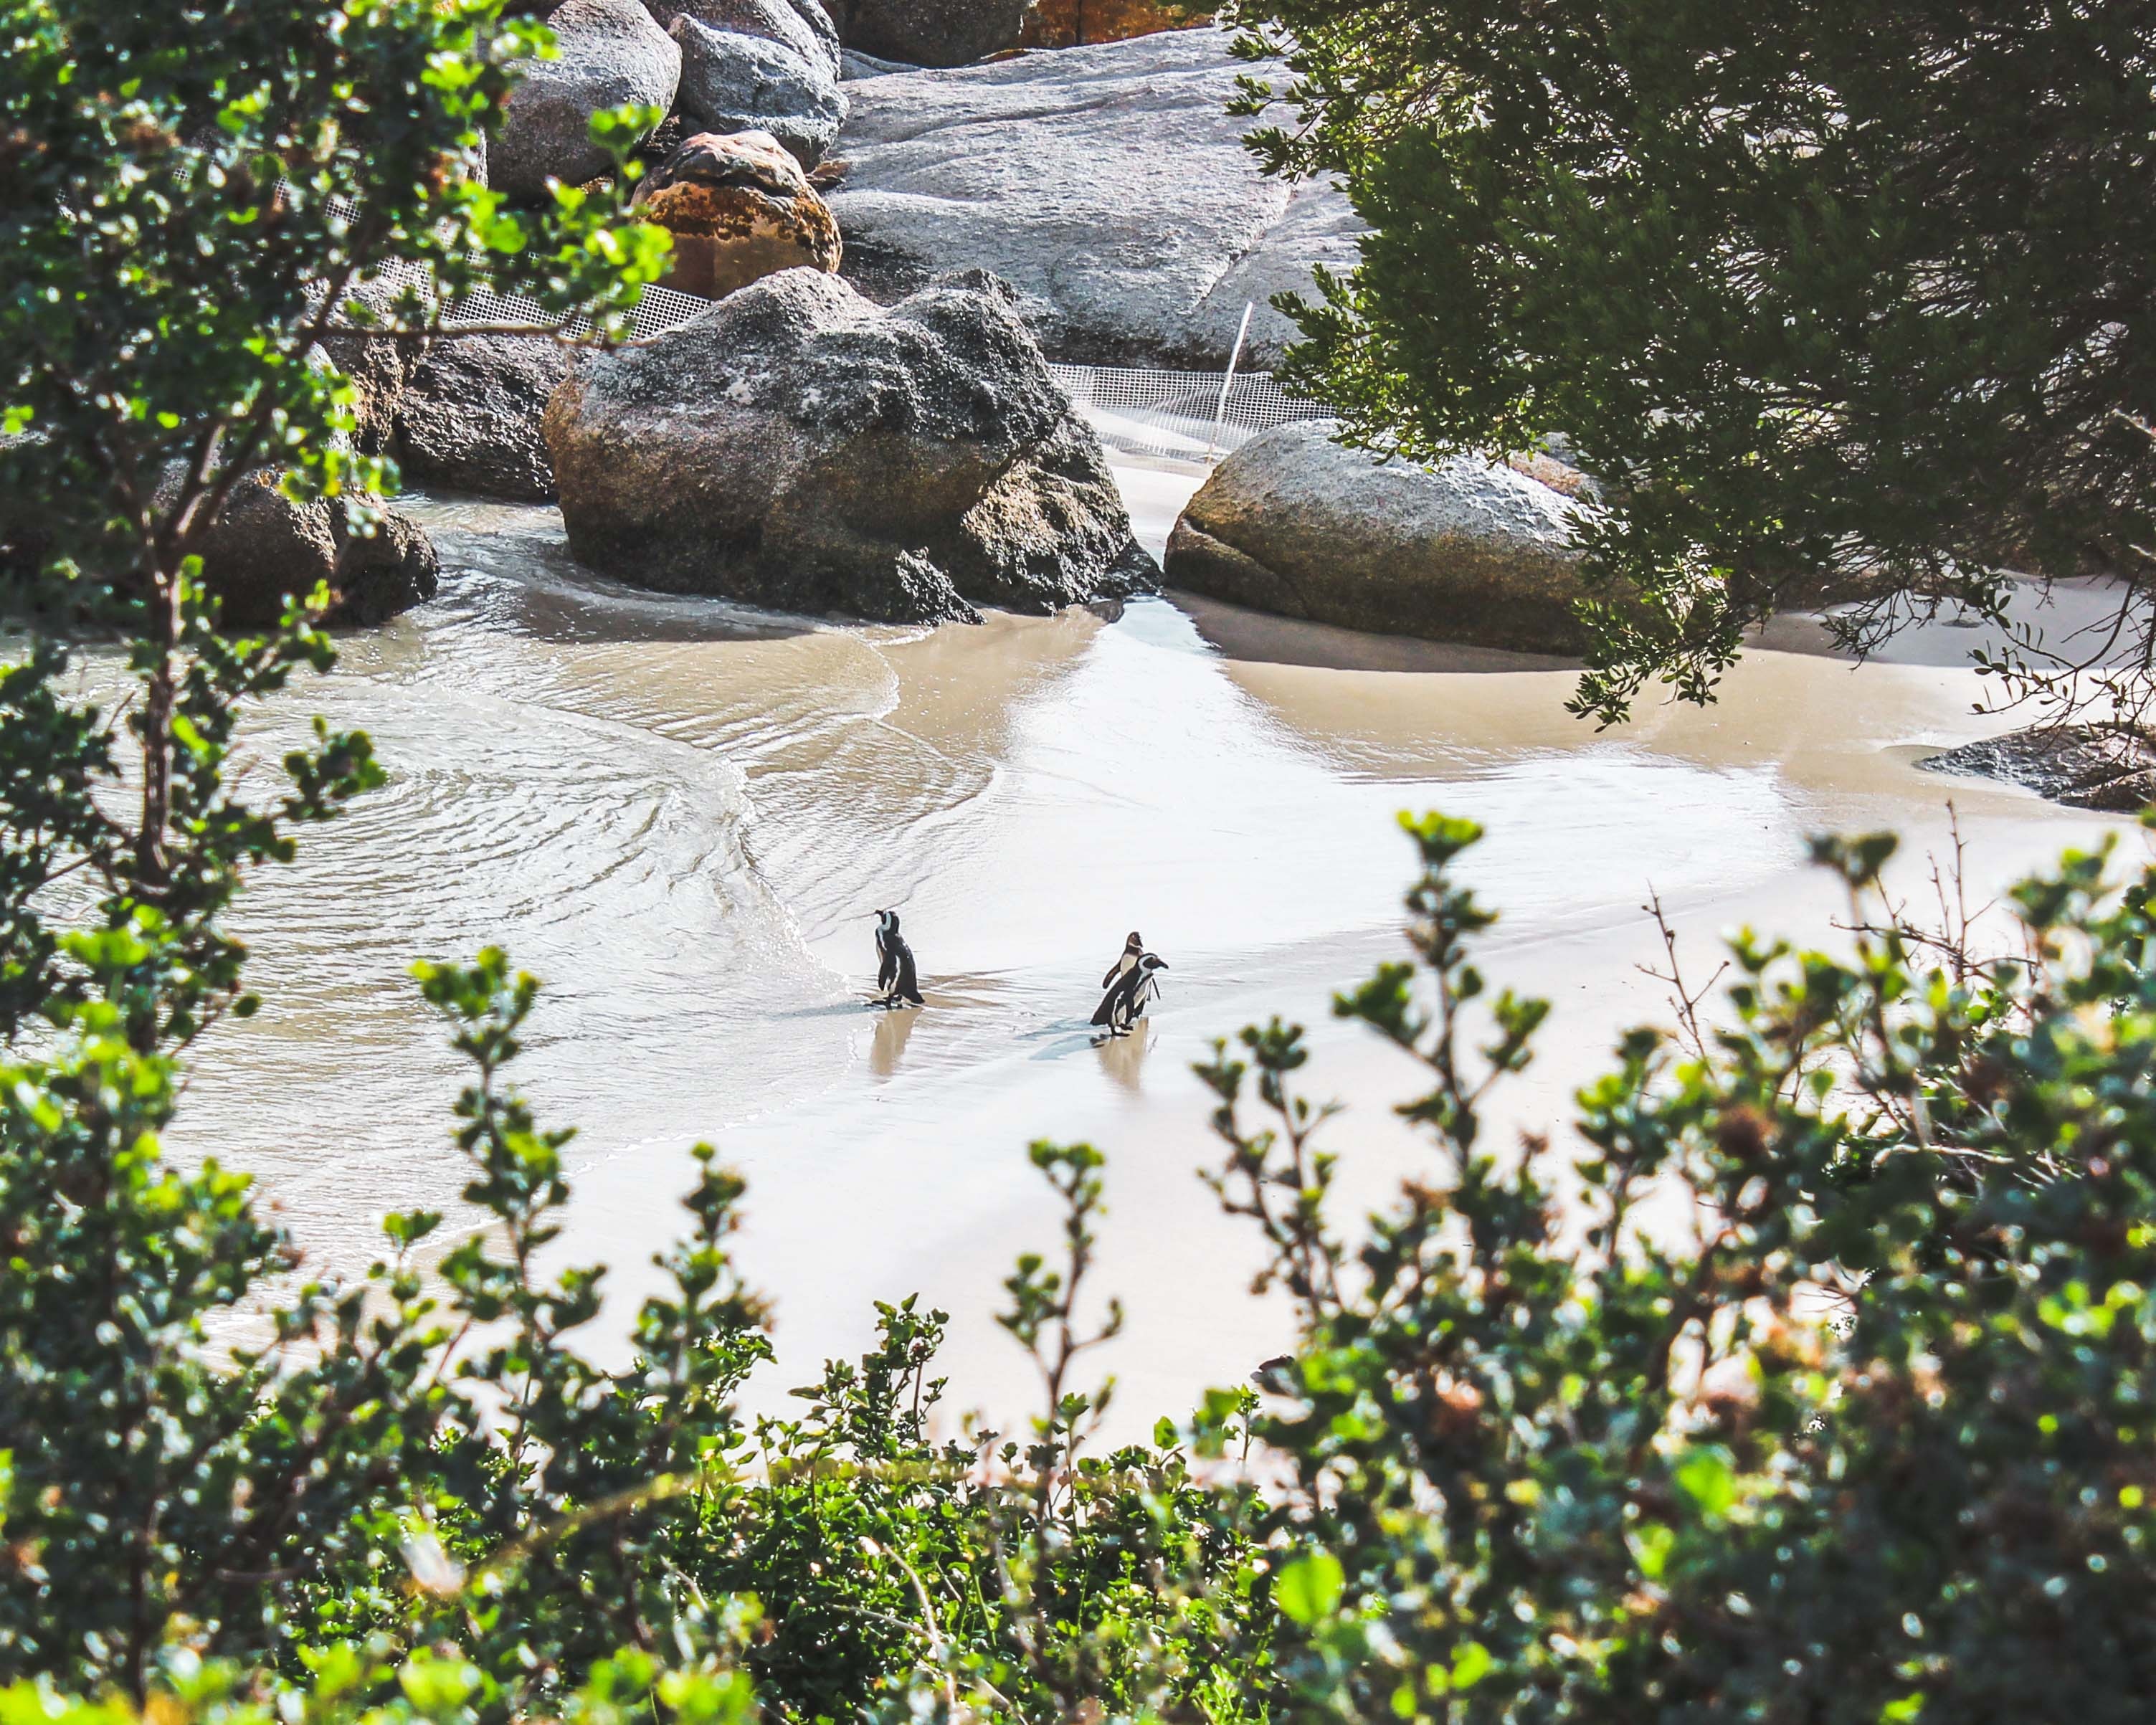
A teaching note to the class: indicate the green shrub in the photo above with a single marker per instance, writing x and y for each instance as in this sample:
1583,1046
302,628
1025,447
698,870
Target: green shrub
1857,1429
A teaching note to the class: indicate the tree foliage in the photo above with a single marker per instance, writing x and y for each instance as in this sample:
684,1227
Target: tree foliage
1830,299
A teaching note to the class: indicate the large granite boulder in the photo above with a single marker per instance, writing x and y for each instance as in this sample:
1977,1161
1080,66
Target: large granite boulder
264,549
932,33
611,52
732,81
1108,184
797,446
2107,766
1294,524
801,25
469,418
739,208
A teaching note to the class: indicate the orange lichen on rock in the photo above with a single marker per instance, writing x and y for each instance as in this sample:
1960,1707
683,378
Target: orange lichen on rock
739,208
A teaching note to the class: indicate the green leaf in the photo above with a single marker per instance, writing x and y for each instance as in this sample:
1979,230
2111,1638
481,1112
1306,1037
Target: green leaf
1310,1587
1706,1476
1471,1664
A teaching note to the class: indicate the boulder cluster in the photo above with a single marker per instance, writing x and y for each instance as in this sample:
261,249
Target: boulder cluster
898,215
868,425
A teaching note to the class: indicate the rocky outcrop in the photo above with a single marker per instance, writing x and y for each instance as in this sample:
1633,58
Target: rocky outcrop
796,447
611,52
2111,768
378,368
932,33
1293,524
739,208
469,418
801,25
264,549
732,81
1108,184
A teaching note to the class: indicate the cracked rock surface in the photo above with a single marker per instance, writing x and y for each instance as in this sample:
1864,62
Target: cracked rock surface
1107,184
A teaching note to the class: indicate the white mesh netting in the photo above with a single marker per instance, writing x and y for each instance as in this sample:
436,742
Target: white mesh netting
1179,416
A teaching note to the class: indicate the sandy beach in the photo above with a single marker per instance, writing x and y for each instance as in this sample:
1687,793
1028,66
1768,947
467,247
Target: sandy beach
680,816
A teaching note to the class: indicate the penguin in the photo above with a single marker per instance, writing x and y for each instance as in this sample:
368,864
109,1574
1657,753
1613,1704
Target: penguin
895,982
1133,950
1125,1002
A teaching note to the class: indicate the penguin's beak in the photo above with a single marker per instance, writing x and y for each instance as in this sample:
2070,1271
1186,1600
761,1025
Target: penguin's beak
1162,964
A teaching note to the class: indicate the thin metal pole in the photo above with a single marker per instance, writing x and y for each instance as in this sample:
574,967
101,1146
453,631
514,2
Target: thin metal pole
1228,379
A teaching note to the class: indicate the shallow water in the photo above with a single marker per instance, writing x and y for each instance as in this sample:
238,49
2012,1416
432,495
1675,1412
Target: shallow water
681,815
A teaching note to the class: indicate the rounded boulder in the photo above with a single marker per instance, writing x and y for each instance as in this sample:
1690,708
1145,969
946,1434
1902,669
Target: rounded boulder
739,208
797,446
611,52
1296,525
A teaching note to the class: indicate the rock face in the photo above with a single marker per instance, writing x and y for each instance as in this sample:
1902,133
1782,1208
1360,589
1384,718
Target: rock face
1108,184
739,208
796,447
801,25
2111,768
611,52
932,33
263,548
732,82
1293,524
468,419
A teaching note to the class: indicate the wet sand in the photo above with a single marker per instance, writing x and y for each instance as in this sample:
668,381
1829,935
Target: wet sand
681,815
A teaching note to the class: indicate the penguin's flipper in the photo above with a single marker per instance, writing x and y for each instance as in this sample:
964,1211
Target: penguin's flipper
908,987
1115,1003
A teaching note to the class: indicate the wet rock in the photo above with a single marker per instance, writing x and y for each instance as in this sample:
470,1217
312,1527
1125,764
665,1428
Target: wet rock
733,82
1108,184
739,208
2111,768
797,446
264,549
611,52
932,33
801,25
468,419
1293,524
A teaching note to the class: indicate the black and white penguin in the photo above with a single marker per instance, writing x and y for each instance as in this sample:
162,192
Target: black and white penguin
896,985
1125,1002
1133,950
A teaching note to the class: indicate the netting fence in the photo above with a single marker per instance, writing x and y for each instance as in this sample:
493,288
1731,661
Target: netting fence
1179,416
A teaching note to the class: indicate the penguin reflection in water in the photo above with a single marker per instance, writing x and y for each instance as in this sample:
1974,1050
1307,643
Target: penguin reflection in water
1134,980
896,985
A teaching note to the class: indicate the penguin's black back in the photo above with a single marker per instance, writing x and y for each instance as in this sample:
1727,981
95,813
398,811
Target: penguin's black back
909,984
1121,993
